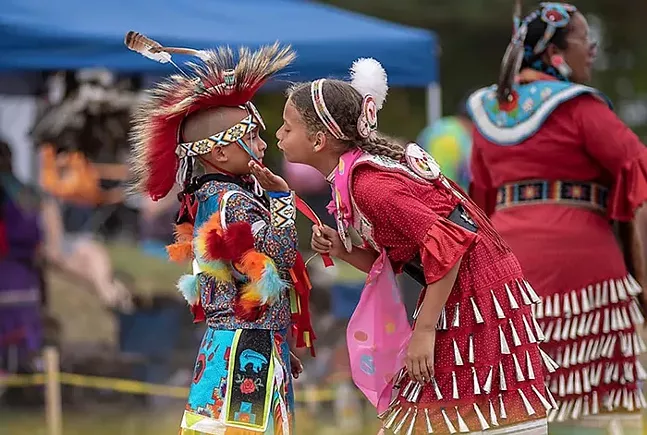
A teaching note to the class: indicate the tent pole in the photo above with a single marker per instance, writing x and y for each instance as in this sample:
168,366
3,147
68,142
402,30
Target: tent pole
434,103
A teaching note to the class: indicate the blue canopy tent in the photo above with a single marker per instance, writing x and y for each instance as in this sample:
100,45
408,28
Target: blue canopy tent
73,34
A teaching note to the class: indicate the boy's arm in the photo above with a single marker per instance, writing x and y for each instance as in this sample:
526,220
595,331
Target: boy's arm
275,234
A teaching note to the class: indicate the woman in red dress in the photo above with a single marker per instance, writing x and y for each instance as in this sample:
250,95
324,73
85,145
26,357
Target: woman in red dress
473,361
553,165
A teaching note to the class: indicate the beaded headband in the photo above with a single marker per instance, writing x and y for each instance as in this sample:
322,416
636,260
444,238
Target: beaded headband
316,93
233,134
556,16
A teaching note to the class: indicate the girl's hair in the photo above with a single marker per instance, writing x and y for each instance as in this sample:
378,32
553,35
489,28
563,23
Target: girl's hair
345,105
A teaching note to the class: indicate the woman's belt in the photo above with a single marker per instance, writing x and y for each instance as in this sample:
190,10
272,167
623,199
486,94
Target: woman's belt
575,193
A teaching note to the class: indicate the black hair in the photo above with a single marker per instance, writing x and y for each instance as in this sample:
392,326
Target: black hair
520,53
536,29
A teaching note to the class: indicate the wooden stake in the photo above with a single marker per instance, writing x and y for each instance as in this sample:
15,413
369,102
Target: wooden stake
53,409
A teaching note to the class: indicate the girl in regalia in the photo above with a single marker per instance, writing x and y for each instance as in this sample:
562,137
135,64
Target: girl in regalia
472,361
553,166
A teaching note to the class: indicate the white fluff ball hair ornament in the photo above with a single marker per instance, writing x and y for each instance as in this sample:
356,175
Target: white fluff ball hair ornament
368,77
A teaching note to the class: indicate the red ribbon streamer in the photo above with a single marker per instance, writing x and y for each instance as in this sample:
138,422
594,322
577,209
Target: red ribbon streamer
304,208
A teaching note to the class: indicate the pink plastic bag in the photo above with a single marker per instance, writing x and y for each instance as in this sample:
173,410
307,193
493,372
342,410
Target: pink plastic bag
378,334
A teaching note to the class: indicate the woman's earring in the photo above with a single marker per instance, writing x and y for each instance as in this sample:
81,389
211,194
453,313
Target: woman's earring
560,65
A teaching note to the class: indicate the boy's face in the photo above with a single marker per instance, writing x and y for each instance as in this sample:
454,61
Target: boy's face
231,158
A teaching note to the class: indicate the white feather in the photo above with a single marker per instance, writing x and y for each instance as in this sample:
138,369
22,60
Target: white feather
368,77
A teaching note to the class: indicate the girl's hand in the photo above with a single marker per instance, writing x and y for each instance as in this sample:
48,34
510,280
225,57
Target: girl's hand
267,179
420,354
325,240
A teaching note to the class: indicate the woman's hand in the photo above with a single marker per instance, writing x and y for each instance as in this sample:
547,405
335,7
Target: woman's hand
420,354
325,240
267,179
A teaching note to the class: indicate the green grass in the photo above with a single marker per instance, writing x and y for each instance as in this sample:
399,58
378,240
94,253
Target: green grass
163,421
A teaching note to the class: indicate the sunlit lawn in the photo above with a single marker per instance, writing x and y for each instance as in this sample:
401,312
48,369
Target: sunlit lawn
163,421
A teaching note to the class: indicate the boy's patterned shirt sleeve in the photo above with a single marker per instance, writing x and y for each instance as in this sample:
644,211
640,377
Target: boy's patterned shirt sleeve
275,232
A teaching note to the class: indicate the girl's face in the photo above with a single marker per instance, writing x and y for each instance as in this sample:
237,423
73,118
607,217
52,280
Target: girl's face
295,141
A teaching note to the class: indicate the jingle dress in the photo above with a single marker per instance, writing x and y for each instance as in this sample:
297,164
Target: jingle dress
552,172
242,378
488,366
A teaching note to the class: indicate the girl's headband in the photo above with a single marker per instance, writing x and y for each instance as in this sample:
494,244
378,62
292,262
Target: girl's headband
316,93
369,79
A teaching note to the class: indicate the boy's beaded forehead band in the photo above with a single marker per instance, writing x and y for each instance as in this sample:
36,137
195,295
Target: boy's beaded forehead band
233,134
316,93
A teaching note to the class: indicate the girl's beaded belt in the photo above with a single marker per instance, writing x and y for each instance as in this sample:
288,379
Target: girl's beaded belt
576,193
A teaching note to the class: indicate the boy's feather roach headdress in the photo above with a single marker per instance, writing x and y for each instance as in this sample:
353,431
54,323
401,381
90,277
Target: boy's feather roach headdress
219,80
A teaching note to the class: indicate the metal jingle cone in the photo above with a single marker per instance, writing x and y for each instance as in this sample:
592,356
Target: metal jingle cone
477,313
513,302
458,360
430,429
502,383
391,419
475,378
487,387
439,395
456,323
517,368
515,337
493,420
531,336
481,418
462,426
412,425
547,405
524,297
502,412
505,350
531,372
399,426
448,422
497,306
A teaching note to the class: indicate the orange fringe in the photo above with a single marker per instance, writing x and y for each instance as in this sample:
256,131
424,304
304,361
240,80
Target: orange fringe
181,250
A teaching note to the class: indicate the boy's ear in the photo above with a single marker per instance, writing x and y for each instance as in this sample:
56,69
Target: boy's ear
219,155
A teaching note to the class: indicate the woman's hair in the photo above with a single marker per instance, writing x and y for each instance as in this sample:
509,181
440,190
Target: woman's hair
345,105
536,29
520,53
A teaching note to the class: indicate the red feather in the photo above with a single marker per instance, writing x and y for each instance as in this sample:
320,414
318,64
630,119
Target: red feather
216,247
238,239
248,312
161,160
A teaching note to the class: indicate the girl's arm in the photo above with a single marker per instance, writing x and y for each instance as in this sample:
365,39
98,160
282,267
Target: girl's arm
360,258
420,353
325,240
